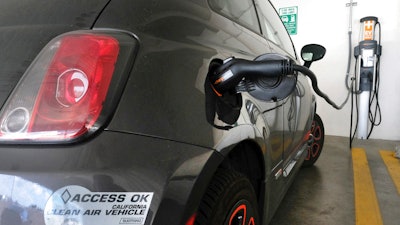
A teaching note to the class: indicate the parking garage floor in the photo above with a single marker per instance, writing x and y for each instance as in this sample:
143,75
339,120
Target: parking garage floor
360,186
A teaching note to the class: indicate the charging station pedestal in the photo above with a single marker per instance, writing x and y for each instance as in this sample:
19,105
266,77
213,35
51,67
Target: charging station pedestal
367,53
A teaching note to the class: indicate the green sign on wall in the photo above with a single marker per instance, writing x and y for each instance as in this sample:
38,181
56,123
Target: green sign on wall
289,18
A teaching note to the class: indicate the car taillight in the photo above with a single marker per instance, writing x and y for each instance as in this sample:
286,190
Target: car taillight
64,92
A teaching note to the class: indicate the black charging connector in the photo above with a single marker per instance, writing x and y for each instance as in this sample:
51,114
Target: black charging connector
228,75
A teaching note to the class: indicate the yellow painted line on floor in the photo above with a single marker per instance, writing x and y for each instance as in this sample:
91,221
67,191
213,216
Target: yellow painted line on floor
393,166
366,202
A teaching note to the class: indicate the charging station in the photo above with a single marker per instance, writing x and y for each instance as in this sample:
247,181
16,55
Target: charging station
367,55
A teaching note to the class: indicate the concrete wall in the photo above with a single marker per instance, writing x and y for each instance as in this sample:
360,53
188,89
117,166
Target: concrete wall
327,23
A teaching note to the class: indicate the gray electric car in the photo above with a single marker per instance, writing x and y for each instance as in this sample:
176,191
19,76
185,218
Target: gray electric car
124,112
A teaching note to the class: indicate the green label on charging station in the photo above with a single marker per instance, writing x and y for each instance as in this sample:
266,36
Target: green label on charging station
289,18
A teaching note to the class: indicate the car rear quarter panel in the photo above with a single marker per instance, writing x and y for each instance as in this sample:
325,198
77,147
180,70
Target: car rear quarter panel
164,96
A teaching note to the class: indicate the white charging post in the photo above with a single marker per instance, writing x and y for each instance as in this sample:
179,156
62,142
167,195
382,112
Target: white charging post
366,53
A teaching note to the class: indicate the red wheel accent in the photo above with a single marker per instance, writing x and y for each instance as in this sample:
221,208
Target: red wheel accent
251,222
239,215
314,149
318,132
229,200
308,156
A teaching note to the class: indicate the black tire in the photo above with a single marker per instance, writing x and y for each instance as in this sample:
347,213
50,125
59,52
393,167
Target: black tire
315,149
229,199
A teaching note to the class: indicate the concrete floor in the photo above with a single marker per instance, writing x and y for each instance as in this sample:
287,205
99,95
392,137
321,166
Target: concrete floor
324,193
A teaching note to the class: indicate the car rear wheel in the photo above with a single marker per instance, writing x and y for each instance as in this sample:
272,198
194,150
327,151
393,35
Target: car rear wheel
318,132
229,200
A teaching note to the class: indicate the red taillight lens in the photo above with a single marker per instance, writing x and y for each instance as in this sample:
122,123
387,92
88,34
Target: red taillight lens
62,94
75,86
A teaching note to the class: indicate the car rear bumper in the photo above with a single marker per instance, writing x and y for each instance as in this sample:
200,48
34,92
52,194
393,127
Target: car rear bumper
116,178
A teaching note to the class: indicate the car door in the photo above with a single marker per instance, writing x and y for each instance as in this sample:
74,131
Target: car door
297,111
244,14
289,110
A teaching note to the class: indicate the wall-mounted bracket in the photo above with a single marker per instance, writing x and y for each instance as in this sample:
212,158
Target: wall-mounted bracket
351,4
